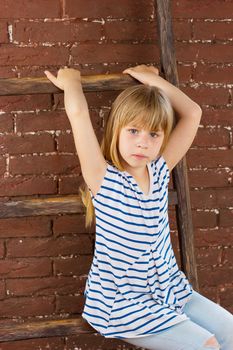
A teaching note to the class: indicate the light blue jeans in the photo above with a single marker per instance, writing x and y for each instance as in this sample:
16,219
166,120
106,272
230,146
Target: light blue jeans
207,319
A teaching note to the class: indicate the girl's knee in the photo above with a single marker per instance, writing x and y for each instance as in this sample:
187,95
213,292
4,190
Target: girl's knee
212,343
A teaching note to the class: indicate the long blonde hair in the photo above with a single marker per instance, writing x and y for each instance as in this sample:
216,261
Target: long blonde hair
143,106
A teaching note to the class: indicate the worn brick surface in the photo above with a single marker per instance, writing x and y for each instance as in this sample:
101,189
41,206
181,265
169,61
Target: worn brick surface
27,185
44,164
10,9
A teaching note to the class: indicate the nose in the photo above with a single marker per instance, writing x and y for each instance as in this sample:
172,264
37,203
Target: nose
143,142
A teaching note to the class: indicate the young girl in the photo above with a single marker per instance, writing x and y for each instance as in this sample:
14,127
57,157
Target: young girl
135,290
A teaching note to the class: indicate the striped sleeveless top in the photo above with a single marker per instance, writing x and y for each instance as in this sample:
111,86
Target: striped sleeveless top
134,287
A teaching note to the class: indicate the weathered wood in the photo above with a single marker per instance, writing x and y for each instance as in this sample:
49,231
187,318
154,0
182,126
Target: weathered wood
41,206
29,86
15,330
179,173
50,206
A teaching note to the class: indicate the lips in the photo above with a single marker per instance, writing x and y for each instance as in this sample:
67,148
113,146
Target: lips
139,156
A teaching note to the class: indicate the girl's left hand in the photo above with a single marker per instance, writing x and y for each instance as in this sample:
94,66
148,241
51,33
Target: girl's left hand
145,74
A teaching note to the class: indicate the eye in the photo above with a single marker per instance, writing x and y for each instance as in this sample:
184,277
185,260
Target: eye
133,131
154,134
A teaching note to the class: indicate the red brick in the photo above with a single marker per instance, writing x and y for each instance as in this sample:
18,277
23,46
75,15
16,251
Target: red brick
51,164
226,296
69,224
219,236
203,218
228,255
15,144
215,276
69,185
2,165
3,32
65,143
220,116
184,73
70,304
101,99
134,31
52,32
6,123
26,102
50,121
182,30
39,306
212,53
212,137
12,9
28,267
212,73
208,256
34,344
210,158
212,198
212,30
112,9
7,72
27,185
73,266
201,9
226,218
210,177
38,247
93,342
212,96
140,53
25,227
2,290
33,55
45,286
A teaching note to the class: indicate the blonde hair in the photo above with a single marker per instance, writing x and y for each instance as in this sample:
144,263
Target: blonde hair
143,106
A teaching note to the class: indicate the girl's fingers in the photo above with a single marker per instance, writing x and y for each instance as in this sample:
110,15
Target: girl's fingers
51,77
57,82
141,69
127,70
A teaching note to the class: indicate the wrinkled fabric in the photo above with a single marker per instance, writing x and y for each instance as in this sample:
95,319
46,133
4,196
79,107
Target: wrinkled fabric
134,287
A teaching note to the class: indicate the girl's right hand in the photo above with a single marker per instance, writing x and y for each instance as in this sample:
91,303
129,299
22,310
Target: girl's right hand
144,74
65,77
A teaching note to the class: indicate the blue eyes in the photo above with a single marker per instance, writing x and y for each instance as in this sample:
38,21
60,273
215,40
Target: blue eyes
133,131
136,131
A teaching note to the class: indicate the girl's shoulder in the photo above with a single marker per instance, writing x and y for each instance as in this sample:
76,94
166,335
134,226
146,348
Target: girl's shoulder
160,169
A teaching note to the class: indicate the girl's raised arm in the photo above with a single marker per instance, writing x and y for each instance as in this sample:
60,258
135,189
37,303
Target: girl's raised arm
188,112
93,164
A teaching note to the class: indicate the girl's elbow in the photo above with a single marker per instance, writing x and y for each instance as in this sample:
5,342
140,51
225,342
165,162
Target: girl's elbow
197,111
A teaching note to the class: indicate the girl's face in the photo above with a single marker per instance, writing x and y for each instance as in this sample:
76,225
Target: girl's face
138,147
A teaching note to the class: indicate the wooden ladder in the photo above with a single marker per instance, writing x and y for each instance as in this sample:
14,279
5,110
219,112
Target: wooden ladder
11,331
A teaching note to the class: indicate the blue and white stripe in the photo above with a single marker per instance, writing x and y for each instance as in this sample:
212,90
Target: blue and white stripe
134,287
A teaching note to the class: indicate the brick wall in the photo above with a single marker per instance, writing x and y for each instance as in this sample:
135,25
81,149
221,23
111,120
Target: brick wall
44,260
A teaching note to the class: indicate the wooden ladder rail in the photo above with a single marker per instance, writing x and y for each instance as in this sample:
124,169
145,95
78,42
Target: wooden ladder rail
11,331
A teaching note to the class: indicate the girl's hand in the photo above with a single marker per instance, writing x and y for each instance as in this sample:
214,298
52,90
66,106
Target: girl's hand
144,74
69,80
65,77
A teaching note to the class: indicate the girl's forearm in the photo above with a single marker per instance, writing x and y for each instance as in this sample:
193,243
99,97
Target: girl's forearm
75,101
182,104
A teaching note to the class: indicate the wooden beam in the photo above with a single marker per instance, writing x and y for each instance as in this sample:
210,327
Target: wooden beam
15,330
179,173
50,206
41,206
28,86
